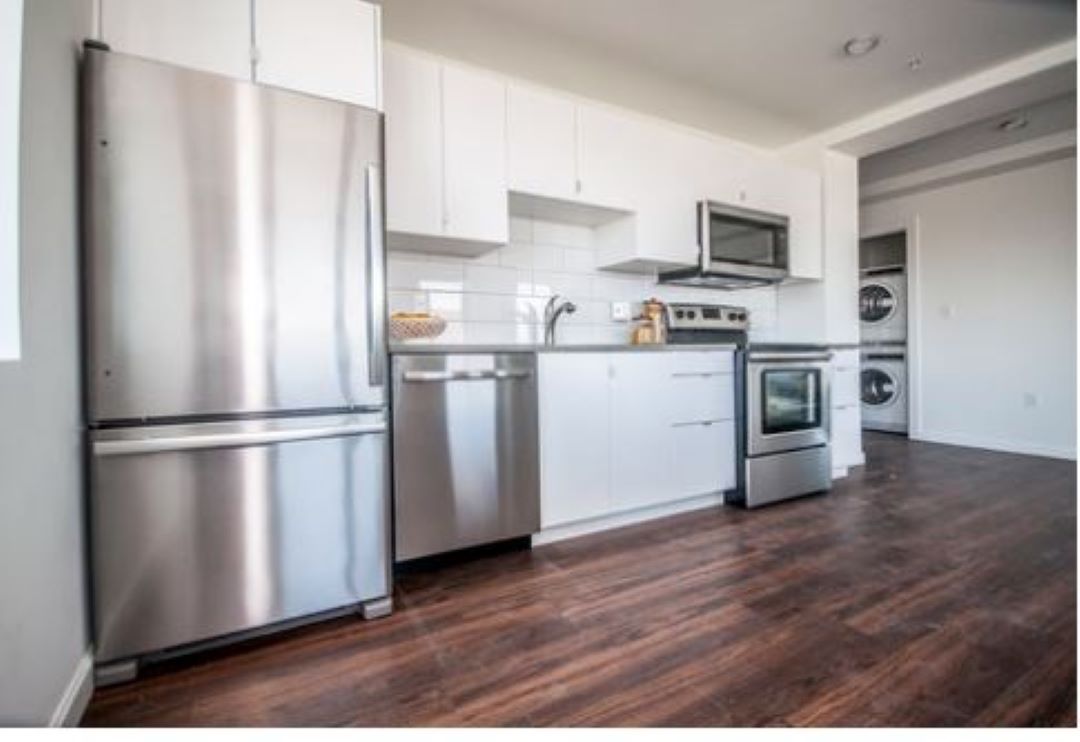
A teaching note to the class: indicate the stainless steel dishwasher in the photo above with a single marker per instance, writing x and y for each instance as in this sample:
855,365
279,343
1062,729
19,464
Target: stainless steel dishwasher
466,450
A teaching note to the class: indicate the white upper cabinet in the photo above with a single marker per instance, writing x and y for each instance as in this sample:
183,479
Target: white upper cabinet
328,48
445,156
803,202
541,143
207,35
414,143
609,148
474,138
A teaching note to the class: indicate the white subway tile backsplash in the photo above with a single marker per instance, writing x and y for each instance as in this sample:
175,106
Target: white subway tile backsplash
423,275
448,305
546,257
516,256
561,235
576,261
572,286
497,280
407,301
499,297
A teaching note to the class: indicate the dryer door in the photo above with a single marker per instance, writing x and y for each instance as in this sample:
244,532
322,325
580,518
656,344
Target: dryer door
877,303
878,388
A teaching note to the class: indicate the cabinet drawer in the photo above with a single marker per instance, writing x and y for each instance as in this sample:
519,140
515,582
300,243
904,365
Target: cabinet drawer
702,398
685,362
845,387
703,458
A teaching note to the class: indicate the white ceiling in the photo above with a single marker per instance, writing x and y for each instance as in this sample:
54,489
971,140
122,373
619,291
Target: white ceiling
764,71
1043,119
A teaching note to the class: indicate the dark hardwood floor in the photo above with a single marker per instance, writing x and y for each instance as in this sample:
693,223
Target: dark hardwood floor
937,586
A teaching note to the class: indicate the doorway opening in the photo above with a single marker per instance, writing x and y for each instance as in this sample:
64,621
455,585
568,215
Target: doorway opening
883,338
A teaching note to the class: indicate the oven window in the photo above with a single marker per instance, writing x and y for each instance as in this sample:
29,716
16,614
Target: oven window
791,400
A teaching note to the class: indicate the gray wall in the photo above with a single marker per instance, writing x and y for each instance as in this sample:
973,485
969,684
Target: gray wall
43,605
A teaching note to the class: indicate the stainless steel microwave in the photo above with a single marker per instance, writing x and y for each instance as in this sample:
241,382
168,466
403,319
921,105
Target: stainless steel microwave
739,248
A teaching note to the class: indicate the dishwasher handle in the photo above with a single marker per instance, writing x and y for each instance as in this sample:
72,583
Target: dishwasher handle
447,376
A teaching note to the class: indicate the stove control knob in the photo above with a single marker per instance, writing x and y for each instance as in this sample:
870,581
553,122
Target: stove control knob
732,316
691,314
679,314
742,317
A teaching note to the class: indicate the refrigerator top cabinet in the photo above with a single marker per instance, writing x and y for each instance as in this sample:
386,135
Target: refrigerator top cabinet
235,246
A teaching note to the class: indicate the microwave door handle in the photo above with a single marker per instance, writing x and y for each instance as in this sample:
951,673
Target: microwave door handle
376,276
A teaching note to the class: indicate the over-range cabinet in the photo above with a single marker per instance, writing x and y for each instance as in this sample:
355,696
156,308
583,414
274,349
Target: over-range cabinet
236,375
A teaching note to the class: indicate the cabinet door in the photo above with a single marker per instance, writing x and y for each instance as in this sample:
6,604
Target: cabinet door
703,458
474,141
328,48
414,163
609,149
541,143
803,206
666,197
208,35
574,437
640,430
846,436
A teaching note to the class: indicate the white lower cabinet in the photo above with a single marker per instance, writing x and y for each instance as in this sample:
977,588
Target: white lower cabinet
640,445
630,430
575,433
846,411
703,457
846,437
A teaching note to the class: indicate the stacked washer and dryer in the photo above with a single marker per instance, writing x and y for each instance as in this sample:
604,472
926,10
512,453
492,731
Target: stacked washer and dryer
883,326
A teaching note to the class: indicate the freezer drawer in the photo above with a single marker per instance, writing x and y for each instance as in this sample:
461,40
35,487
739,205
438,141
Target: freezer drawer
466,453
199,531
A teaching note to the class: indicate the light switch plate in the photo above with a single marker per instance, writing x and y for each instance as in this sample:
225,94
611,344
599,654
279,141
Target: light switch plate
620,311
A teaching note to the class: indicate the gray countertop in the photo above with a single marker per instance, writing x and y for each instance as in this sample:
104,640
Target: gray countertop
410,348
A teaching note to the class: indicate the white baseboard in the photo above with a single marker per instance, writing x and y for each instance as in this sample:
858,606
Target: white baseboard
617,520
995,444
76,697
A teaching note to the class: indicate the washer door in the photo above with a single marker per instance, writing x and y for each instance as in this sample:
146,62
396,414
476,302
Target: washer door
877,303
879,388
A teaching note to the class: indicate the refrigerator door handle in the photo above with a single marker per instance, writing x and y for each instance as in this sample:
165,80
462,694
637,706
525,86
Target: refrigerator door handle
376,278
230,440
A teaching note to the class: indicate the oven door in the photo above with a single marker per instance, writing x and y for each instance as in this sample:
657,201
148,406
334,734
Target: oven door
787,401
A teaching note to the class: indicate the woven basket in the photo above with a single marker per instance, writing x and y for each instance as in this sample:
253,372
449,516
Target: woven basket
416,328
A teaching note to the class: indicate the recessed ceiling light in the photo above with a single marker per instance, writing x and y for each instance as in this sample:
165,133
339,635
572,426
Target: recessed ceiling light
1013,123
861,45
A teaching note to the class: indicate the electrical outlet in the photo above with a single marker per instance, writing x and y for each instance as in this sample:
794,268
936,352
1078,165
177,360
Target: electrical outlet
620,311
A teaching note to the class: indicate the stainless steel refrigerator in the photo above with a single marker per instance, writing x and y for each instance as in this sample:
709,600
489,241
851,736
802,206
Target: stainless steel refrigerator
235,331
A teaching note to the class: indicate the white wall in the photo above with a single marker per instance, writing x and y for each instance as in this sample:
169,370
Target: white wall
43,607
499,297
995,291
11,12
